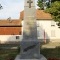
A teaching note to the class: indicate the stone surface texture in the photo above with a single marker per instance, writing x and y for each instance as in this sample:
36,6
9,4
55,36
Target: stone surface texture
30,46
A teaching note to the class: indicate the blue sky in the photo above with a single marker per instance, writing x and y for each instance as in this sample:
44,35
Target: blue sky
12,8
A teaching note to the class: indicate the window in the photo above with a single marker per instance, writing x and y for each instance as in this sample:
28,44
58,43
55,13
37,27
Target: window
17,37
37,24
53,33
38,33
52,23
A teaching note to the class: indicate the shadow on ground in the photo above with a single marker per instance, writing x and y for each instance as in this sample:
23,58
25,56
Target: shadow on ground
51,53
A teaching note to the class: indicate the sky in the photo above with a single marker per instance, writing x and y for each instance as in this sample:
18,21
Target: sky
12,8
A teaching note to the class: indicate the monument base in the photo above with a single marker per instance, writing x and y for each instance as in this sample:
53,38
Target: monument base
40,58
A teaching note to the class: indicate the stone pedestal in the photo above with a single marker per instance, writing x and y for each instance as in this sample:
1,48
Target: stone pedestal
41,57
30,46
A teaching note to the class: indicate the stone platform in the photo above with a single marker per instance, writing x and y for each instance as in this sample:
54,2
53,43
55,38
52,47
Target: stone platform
40,58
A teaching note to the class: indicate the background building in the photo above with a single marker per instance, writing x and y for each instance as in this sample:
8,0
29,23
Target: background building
11,30
47,28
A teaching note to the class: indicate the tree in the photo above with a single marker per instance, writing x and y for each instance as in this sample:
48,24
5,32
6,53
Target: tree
1,7
43,4
54,0
54,10
40,4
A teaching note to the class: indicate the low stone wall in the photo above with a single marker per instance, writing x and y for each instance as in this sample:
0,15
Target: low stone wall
10,42
54,40
40,40
49,40
53,59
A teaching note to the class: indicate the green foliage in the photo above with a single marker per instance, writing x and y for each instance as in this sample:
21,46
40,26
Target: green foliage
43,4
54,0
18,49
51,52
8,54
40,4
54,10
48,4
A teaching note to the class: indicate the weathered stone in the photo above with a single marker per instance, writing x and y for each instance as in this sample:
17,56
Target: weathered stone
30,46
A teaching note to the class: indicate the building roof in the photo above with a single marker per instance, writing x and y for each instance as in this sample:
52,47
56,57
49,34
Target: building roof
40,15
12,22
10,30
10,27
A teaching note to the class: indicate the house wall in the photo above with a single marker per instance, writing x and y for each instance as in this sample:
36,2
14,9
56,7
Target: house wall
48,29
10,38
10,34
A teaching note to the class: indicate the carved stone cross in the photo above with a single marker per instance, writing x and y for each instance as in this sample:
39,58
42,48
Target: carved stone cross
29,3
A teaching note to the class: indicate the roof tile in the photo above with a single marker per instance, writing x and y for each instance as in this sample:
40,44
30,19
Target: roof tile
40,14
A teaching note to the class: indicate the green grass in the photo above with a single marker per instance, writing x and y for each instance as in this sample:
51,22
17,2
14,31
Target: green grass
47,52
11,54
8,54
51,52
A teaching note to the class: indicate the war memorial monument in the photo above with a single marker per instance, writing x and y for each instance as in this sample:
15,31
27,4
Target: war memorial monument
30,46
